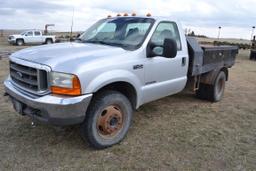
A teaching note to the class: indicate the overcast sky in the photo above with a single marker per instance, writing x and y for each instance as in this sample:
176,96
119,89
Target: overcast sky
203,16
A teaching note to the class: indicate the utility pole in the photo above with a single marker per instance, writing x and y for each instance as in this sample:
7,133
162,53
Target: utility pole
253,28
219,32
72,22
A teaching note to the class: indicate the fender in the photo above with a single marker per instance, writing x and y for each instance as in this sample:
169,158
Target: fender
113,76
209,78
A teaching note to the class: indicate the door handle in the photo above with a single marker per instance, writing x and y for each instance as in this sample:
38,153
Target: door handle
183,61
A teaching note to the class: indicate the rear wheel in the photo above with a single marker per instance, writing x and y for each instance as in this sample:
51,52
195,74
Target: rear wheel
213,92
48,41
107,120
219,87
20,42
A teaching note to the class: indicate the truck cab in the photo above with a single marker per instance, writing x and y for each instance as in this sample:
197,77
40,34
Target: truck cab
119,64
143,39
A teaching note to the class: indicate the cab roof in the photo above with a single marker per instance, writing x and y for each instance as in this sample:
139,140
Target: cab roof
157,18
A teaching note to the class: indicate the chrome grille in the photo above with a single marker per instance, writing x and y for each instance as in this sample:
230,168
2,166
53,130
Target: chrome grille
29,78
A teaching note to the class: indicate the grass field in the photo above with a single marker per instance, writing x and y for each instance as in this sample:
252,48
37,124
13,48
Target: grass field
178,132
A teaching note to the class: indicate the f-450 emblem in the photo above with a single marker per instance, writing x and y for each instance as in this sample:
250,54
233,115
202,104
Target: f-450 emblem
137,67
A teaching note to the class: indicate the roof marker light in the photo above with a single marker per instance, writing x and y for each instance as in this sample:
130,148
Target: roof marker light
118,15
148,15
133,14
125,14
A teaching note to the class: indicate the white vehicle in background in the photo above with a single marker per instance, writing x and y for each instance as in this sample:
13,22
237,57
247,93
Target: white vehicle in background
31,37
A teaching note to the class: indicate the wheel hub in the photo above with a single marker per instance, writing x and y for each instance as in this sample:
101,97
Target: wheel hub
110,121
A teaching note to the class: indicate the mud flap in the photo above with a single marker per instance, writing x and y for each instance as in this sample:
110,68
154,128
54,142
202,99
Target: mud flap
18,106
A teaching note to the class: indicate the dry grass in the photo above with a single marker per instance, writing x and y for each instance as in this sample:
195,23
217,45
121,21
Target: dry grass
6,47
175,133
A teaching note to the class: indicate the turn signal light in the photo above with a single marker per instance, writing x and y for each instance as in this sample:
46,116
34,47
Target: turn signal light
74,91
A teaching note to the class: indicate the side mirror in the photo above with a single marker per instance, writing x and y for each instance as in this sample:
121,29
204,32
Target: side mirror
167,50
170,48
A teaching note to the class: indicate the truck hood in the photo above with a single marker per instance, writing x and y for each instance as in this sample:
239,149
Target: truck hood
15,35
67,54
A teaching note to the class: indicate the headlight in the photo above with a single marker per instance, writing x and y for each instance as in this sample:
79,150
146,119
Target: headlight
65,84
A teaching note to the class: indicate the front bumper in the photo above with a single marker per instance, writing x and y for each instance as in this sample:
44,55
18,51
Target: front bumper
51,109
12,41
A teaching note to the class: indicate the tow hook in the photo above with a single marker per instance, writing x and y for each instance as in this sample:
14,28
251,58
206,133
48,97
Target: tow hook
33,124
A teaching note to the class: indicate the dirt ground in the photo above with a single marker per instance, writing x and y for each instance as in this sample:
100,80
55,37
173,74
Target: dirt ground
178,132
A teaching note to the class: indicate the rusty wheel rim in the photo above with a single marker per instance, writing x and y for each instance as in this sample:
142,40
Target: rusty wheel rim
110,121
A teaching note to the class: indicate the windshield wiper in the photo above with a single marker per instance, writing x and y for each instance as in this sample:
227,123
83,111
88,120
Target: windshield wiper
104,43
96,42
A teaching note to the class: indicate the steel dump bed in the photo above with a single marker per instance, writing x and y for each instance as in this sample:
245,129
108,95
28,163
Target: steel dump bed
205,58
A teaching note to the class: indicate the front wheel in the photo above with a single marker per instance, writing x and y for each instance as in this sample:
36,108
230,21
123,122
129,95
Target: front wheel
20,42
107,120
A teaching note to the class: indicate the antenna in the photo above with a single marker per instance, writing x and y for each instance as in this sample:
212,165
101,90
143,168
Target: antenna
72,23
219,31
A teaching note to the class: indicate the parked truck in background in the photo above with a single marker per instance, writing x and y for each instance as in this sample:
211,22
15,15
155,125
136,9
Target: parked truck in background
31,37
119,64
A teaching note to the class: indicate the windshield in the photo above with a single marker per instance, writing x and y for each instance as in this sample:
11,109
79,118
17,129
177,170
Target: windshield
23,33
126,32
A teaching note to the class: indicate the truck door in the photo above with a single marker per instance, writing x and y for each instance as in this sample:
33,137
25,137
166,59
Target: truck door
165,76
28,38
37,37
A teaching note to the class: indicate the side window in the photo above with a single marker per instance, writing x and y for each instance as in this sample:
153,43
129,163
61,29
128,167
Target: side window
37,33
166,30
30,33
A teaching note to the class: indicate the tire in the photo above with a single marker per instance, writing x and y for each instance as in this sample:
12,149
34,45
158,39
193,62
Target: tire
48,41
213,92
108,119
219,87
20,42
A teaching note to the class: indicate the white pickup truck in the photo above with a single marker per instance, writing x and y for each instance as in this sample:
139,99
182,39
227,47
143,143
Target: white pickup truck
120,64
31,37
